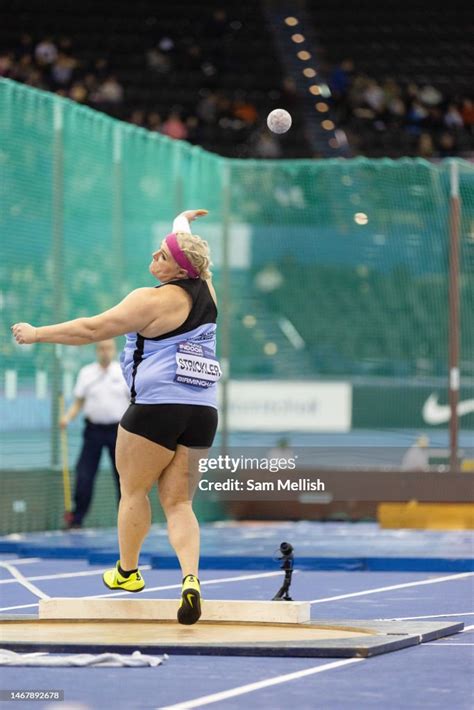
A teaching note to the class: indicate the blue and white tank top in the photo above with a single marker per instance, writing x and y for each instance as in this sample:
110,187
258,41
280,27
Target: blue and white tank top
179,367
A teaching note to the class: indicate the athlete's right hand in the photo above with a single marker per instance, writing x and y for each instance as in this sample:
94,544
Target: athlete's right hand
63,422
191,215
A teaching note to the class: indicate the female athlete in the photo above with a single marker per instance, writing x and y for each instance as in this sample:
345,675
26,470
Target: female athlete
170,367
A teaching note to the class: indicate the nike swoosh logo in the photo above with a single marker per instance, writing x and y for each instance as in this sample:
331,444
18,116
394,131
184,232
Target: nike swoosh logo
434,413
190,600
137,579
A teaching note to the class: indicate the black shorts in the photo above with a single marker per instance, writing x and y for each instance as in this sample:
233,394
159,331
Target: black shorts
192,425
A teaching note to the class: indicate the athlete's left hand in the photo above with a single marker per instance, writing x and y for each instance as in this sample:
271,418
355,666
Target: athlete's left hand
24,333
191,215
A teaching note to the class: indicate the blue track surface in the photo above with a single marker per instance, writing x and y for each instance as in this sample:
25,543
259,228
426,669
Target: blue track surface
227,545
437,675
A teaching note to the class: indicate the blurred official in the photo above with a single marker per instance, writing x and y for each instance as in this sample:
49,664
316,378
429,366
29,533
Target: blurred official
417,457
103,395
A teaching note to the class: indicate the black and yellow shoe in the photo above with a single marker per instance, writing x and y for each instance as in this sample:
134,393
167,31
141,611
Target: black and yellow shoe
114,580
190,607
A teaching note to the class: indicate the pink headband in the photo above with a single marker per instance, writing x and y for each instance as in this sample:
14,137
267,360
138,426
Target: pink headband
179,256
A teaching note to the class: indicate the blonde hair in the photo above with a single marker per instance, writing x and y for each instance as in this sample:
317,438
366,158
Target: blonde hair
197,251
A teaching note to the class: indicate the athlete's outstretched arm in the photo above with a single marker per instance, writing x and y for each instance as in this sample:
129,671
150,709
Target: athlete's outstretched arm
131,314
181,222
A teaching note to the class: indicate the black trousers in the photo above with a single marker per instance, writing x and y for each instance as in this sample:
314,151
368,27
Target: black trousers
96,437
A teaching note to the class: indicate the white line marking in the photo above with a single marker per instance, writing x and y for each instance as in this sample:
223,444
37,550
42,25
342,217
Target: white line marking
430,616
23,581
440,645
435,580
251,687
468,628
24,560
64,575
158,589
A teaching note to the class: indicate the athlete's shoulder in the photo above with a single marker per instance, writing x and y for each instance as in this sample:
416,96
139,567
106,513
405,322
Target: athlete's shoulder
177,290
162,294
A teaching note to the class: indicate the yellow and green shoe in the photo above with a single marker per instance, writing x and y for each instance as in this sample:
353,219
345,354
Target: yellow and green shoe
190,607
114,580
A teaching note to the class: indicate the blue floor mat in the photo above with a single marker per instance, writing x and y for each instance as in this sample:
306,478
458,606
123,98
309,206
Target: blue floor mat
229,545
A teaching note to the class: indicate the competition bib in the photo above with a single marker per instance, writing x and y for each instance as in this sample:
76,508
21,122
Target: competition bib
196,365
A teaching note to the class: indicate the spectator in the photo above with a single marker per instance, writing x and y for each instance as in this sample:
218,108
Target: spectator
356,92
391,90
417,458
467,113
35,78
46,52
207,107
154,121
452,117
166,44
396,109
267,146
174,127
103,394
411,93
62,69
78,92
137,117
245,111
430,96
374,96
25,47
90,82
416,117
340,79
109,92
6,64
158,61
447,145
194,133
101,69
224,106
434,120
425,147
22,69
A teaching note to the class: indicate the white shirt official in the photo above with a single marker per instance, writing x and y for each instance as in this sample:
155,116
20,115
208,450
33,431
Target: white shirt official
416,459
105,392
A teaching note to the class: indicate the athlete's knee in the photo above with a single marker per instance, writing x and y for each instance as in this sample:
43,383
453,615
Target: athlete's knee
130,486
172,505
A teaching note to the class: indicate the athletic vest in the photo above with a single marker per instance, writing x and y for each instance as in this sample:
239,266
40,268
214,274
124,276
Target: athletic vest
179,367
